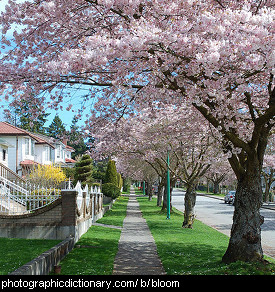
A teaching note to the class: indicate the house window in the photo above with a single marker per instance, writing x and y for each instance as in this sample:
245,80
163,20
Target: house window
58,152
4,154
52,155
32,147
47,153
27,146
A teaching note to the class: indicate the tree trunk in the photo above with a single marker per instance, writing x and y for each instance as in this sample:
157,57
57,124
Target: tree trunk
269,179
216,188
150,190
164,204
160,194
189,204
245,239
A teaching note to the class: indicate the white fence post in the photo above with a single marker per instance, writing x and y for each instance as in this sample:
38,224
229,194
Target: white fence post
22,198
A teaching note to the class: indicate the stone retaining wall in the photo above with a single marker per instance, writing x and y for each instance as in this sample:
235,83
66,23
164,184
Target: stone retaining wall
59,220
44,264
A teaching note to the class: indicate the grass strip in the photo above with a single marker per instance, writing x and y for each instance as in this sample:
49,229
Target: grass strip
196,251
95,251
117,213
16,252
95,255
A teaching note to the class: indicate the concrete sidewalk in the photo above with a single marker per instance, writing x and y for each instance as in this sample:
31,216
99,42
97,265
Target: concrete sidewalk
137,251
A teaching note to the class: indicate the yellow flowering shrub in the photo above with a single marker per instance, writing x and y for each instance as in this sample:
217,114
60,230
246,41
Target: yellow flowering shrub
47,176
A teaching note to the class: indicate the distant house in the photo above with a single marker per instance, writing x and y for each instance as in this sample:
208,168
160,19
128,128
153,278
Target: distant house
61,153
21,149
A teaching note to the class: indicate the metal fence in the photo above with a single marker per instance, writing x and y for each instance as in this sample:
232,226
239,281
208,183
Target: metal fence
23,197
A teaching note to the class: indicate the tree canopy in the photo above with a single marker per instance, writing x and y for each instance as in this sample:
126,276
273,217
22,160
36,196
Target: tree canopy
214,56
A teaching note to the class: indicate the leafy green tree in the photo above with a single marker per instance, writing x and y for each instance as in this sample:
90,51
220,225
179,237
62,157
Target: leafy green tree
110,190
111,173
112,182
100,170
57,128
84,170
119,181
27,116
76,139
126,184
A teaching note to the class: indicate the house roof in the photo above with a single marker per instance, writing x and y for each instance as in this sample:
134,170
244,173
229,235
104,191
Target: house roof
10,130
70,160
7,129
69,148
28,162
52,140
5,143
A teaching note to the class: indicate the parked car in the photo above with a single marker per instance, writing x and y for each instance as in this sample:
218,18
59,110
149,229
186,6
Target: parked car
230,197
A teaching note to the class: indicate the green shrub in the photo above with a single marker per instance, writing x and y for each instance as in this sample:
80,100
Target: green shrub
84,170
69,172
110,190
119,181
96,184
111,173
126,185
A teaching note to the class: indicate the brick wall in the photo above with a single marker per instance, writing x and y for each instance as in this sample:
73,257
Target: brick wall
56,221
48,215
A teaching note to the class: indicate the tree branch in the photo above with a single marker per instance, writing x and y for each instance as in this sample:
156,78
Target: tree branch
250,106
237,142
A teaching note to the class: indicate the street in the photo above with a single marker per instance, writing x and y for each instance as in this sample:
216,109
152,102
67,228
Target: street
217,214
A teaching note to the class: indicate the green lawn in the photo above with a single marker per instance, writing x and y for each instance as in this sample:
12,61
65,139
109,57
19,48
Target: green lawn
116,215
196,251
17,252
97,259
95,251
98,247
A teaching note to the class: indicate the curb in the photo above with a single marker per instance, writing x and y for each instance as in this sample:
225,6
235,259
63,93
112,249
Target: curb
272,207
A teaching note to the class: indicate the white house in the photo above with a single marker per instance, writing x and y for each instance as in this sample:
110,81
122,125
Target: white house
4,150
60,154
21,149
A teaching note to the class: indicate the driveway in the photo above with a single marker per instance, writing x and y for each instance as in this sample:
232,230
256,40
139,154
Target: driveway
215,213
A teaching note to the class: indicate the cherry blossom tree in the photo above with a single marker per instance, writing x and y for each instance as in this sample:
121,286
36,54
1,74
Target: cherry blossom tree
137,145
150,135
219,173
268,171
139,170
217,56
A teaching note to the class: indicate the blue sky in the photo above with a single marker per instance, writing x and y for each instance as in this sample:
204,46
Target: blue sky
66,116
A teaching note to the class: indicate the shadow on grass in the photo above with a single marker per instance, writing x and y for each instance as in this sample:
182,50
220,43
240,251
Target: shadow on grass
16,252
94,253
190,259
196,251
